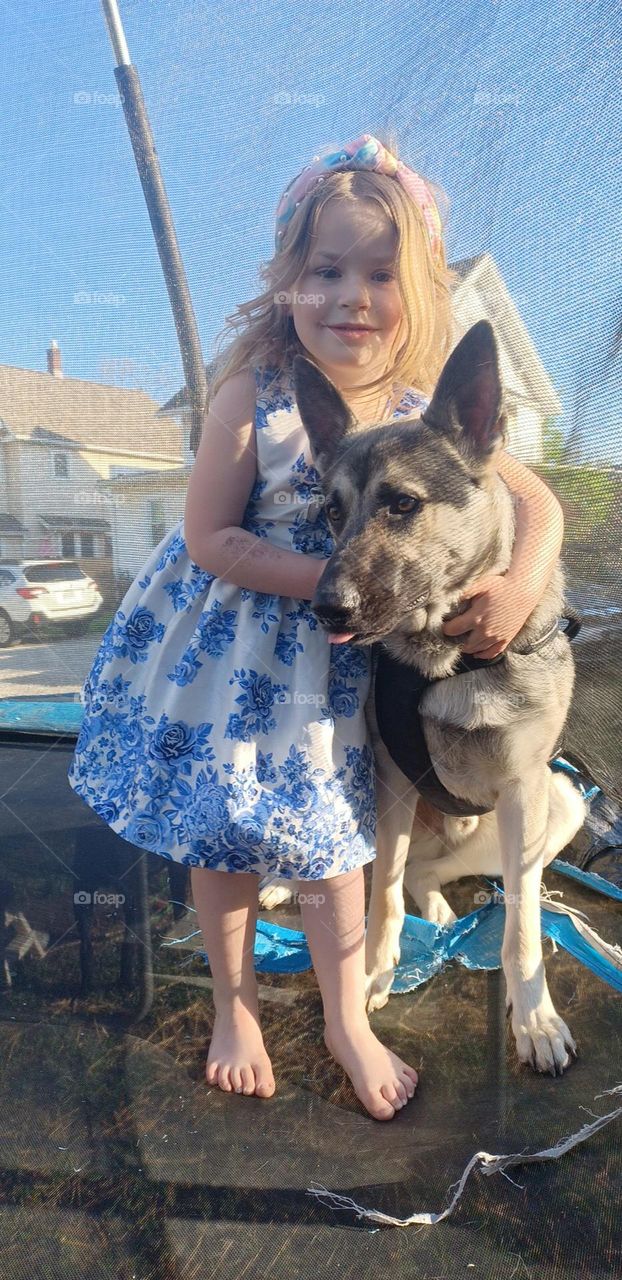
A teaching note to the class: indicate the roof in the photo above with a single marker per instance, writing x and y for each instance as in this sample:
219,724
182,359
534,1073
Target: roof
139,479
39,406
181,400
10,524
464,266
522,358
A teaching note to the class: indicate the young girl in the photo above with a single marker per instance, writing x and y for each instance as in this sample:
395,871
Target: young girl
221,728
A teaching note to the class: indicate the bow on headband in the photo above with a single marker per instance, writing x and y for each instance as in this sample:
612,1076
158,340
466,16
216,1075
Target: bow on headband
365,152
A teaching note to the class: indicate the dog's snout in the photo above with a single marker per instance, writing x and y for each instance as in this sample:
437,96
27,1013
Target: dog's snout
332,617
335,609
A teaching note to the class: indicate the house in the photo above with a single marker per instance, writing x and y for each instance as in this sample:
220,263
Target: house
480,294
61,441
102,473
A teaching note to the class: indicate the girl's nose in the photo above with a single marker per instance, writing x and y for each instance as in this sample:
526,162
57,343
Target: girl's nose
354,293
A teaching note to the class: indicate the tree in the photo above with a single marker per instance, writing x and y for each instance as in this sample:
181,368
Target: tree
587,491
554,447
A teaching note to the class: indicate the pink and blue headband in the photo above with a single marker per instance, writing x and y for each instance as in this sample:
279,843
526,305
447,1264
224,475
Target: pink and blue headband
365,152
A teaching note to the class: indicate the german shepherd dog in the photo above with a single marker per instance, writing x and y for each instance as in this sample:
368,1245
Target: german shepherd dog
418,512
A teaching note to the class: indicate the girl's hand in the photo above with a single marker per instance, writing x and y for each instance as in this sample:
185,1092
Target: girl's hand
500,608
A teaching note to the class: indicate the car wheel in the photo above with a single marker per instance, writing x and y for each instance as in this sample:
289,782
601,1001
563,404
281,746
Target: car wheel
77,628
7,631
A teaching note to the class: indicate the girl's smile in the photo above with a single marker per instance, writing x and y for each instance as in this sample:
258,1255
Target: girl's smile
352,333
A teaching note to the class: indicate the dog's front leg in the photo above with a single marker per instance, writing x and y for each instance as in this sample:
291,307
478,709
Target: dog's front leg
396,804
542,1038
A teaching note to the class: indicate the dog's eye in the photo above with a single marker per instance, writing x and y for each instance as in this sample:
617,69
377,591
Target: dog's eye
333,511
404,504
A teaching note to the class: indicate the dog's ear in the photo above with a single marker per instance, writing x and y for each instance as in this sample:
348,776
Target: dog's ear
325,415
467,404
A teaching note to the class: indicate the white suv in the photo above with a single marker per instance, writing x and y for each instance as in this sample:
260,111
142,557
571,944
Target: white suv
45,593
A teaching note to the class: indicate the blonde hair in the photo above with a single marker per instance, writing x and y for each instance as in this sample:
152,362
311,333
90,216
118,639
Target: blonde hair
426,335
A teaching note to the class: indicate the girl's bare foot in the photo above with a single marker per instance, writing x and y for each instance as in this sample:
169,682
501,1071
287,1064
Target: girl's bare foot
237,1060
381,1080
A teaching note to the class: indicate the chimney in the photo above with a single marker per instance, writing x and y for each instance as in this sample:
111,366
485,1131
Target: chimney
54,360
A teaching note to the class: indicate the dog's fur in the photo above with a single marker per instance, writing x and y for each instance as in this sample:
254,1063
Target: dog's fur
490,732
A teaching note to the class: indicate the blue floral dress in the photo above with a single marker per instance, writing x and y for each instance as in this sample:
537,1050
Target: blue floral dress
221,729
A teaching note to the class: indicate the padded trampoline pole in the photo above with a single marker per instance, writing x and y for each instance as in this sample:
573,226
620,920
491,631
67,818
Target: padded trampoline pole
161,220
497,1024
143,930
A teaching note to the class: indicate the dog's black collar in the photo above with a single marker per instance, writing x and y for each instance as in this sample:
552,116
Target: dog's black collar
398,690
574,626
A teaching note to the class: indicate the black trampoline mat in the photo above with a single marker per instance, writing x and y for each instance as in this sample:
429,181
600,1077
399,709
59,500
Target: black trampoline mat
120,1161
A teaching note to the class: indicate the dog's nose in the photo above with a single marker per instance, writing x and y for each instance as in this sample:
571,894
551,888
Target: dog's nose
336,610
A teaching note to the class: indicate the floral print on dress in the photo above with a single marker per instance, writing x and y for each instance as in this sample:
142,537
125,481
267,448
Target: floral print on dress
220,727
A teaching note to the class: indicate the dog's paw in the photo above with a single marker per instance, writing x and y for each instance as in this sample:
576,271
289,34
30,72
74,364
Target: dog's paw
433,906
439,910
543,1040
382,956
275,893
377,989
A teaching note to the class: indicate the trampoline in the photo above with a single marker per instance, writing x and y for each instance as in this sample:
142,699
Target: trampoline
118,1159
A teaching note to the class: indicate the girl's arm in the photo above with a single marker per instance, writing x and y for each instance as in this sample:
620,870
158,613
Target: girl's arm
539,527
240,557
220,484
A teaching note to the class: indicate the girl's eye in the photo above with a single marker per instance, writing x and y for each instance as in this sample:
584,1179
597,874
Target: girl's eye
404,504
321,271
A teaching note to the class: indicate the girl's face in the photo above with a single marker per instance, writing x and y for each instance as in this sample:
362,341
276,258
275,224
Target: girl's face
350,279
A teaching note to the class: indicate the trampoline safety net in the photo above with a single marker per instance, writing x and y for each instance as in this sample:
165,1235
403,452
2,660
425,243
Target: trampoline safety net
146,150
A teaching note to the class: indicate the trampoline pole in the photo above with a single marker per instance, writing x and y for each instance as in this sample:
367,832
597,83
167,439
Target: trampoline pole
161,220
497,1048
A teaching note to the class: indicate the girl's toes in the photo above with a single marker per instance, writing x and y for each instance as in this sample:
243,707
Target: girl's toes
223,1078
412,1076
248,1080
211,1072
408,1083
235,1076
391,1094
265,1085
380,1107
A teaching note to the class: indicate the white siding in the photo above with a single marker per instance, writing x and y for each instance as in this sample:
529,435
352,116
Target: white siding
132,542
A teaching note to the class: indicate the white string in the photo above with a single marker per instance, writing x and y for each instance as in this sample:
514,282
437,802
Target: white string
489,1164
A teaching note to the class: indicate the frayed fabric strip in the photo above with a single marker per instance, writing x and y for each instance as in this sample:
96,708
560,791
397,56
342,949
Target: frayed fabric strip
488,1164
474,940
609,952
590,879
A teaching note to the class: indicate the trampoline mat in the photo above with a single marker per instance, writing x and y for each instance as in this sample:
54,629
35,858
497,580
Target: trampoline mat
119,1160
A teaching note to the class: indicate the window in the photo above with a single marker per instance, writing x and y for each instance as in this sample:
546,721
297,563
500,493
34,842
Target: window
158,527
61,466
43,571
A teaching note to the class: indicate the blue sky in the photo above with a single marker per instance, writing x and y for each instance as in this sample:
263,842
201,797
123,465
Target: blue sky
513,108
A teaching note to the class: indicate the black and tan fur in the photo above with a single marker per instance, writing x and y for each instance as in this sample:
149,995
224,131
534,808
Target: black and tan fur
398,571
